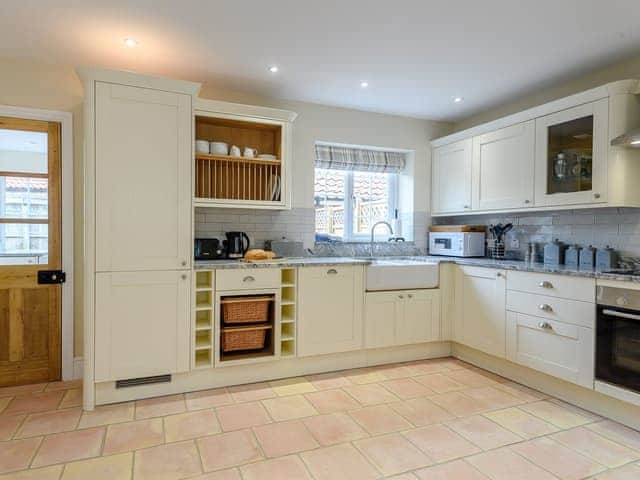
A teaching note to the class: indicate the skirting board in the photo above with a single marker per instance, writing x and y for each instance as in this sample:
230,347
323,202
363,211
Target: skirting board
258,372
623,412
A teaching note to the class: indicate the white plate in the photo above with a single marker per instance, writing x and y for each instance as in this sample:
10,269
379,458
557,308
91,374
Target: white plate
267,156
273,186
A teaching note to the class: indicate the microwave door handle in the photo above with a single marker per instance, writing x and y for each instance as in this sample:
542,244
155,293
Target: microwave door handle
614,313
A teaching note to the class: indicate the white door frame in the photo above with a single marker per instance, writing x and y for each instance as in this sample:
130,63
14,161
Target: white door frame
66,120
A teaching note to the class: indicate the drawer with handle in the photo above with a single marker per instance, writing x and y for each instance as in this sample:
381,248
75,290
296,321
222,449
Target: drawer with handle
247,279
559,309
556,348
563,286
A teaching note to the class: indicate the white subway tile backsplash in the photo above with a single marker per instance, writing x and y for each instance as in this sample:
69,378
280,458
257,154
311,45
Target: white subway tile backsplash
616,227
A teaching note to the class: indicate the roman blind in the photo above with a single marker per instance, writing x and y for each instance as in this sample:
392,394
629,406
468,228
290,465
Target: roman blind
338,157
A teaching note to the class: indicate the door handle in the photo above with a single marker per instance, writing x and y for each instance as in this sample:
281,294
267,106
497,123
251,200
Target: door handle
545,284
545,307
332,271
545,326
248,278
628,316
183,276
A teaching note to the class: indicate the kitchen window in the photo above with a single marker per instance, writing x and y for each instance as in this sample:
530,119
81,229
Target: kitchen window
354,189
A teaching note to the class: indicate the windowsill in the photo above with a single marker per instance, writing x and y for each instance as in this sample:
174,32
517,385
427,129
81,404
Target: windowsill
365,242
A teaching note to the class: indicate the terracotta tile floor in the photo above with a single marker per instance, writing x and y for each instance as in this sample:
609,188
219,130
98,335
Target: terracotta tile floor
435,419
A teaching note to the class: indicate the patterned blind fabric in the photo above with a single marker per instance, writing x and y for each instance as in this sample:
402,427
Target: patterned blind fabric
359,159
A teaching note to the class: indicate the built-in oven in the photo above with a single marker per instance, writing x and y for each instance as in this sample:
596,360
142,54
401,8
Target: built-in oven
618,337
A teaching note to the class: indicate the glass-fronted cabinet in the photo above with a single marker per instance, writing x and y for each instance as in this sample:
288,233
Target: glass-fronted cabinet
571,155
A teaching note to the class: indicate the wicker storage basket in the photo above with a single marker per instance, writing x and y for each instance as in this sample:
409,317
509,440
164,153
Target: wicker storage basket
244,338
246,309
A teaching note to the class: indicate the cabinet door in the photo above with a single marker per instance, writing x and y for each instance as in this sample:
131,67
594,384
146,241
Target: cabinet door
420,319
330,303
571,155
451,177
382,310
143,179
142,324
556,348
480,298
503,168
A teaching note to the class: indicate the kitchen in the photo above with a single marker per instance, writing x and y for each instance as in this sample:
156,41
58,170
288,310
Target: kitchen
284,289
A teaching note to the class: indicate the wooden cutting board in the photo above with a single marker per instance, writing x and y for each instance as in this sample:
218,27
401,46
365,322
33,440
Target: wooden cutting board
458,228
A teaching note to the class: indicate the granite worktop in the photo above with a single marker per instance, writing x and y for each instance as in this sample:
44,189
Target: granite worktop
517,265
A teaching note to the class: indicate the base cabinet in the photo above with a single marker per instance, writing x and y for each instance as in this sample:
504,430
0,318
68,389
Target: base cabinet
330,309
142,325
560,349
480,302
401,318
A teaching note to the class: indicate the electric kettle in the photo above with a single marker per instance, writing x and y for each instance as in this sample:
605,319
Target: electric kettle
237,244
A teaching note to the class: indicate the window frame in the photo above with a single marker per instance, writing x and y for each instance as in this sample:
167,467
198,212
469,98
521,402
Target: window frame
392,203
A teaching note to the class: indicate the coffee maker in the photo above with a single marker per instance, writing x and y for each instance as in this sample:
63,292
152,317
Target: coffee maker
237,244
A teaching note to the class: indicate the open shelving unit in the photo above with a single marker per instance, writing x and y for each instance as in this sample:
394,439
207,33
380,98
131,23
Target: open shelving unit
288,312
227,178
203,315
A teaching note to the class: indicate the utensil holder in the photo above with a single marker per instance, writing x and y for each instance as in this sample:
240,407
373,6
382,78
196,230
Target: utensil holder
496,250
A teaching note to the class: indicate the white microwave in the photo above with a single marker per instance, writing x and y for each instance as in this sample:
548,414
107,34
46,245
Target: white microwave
457,244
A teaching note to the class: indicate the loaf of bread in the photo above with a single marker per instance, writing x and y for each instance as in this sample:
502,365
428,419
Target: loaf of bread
258,254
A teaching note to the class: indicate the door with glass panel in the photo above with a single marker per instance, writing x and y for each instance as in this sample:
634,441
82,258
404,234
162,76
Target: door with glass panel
571,155
30,251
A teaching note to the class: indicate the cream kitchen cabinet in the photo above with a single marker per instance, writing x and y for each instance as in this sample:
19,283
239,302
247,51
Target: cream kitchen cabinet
401,317
142,324
559,349
330,303
142,178
571,155
451,177
503,168
480,299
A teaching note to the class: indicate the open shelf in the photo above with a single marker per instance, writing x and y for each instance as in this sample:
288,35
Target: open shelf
204,299
203,358
204,280
203,340
228,177
288,289
203,319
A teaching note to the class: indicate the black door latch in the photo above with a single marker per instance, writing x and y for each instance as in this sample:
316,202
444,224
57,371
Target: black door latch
51,277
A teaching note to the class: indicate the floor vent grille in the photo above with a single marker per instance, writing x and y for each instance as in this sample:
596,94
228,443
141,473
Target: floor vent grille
134,382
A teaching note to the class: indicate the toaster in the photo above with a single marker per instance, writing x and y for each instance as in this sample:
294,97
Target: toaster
209,249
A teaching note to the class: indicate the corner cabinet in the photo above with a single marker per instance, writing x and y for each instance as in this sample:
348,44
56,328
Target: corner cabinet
330,309
401,318
137,227
451,182
224,178
480,304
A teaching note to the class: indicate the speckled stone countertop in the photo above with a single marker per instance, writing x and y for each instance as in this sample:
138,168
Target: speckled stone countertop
478,262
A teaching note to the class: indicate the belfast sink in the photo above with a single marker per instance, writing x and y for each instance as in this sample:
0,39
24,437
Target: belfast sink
401,274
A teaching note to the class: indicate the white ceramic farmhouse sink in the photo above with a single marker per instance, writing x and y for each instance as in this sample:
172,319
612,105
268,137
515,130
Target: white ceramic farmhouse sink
401,274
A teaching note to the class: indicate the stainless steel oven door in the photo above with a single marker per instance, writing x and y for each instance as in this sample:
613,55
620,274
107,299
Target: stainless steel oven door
618,347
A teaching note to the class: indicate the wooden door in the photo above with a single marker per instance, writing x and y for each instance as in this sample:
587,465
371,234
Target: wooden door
30,241
481,298
420,319
142,324
503,168
330,305
143,179
451,182
381,313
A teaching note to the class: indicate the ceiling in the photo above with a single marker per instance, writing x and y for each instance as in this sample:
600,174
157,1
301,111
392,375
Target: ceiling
416,55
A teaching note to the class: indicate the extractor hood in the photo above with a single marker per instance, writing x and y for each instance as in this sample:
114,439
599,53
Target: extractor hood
630,139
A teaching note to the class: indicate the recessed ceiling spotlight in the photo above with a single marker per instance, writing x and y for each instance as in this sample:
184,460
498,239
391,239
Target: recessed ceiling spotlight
273,69
364,84
131,42
457,99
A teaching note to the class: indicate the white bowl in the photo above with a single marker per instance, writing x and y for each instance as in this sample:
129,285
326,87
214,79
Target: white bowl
219,148
202,146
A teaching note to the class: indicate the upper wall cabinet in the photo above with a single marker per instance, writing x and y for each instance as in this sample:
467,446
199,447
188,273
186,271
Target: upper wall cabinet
503,168
571,155
556,155
142,178
451,182
257,172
